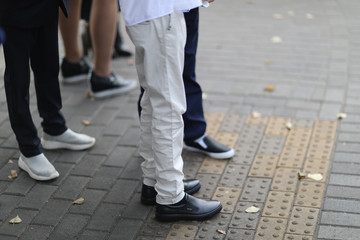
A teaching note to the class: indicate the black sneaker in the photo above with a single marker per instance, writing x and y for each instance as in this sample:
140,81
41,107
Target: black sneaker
75,72
108,86
210,147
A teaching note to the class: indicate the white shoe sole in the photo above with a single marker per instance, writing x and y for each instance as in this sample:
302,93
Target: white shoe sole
223,155
114,92
76,79
24,167
52,145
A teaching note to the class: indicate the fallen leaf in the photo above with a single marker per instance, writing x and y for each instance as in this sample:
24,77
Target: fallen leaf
88,94
250,1
315,176
341,115
276,39
289,125
79,201
309,16
269,88
131,62
204,96
278,16
268,61
252,209
291,13
13,174
10,161
221,231
86,122
15,220
255,114
301,175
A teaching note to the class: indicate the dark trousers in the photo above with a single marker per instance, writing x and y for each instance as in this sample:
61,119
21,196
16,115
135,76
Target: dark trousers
194,121
40,46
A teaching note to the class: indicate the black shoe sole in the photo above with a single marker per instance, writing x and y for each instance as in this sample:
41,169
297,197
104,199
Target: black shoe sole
177,217
152,201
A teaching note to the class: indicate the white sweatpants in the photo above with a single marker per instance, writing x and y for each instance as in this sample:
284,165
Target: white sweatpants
159,56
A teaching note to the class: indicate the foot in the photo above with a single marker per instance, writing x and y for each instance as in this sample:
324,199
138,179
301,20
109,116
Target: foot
75,72
101,87
68,140
148,194
38,167
189,208
210,147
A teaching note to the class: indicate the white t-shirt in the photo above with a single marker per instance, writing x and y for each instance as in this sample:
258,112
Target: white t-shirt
137,11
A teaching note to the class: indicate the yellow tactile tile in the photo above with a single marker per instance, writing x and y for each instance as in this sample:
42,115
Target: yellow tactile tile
181,231
228,139
263,166
325,129
277,126
270,228
292,157
212,166
303,221
278,204
228,197
310,194
257,120
285,179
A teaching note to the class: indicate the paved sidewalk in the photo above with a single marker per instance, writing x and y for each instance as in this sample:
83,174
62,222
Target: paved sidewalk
308,55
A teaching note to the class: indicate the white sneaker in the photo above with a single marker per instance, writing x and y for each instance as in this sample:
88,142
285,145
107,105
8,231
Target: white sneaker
68,140
38,167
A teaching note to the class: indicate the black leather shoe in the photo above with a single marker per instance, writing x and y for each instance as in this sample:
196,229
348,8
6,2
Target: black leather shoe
148,194
190,208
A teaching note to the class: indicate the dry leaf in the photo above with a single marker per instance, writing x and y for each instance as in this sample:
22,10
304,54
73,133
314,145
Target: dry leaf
15,220
276,39
289,125
341,115
268,61
269,88
250,1
255,114
85,122
131,62
79,201
204,96
309,16
88,94
315,176
10,161
13,174
252,209
301,175
221,231
291,13
278,16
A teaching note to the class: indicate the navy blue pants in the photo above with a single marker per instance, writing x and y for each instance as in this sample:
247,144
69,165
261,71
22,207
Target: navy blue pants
194,121
40,46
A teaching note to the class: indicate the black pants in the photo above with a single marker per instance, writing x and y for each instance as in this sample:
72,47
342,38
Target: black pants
40,46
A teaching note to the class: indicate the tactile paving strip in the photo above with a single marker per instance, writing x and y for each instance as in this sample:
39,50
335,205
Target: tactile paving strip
244,154
263,166
320,149
214,121
278,204
317,166
292,157
212,166
303,123
208,185
310,194
190,169
285,179
214,228
228,139
271,145
234,175
299,137
325,129
233,123
257,121
303,221
251,134
270,228
244,220
255,189
297,237
181,231
228,197
239,234
277,126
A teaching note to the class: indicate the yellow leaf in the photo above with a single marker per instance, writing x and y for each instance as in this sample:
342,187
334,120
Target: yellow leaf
79,201
15,220
291,13
252,209
278,16
13,174
268,61
85,122
269,88
341,115
301,175
10,161
309,16
204,96
221,231
315,176
276,39
255,114
289,125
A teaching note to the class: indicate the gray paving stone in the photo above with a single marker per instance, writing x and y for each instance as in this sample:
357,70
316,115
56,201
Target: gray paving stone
133,169
92,235
71,188
126,229
64,170
104,145
342,205
118,126
340,219
346,168
16,230
335,232
350,127
88,165
105,216
342,191
122,191
71,156
92,199
329,110
105,178
21,185
346,157
345,180
135,209
52,212
349,137
348,147
66,229
131,137
8,203
37,232
104,116
38,196
120,156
